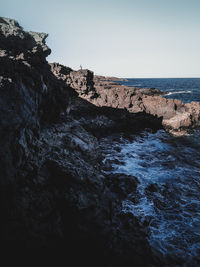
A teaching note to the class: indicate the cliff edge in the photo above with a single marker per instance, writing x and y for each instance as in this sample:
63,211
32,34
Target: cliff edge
55,199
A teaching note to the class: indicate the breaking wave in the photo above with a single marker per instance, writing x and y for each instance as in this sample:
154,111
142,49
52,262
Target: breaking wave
178,92
168,169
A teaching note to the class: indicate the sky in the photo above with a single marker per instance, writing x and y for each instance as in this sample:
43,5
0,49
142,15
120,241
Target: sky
123,38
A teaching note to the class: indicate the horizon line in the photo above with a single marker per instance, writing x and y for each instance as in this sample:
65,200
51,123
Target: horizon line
160,77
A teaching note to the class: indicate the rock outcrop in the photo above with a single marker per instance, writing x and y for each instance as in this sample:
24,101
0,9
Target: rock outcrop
99,78
176,117
54,196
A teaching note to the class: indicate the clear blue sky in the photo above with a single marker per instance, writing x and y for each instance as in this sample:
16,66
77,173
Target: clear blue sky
125,38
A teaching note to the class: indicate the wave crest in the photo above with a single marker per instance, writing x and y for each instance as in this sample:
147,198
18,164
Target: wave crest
178,92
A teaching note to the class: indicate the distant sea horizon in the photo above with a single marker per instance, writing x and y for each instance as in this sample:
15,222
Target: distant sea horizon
160,77
184,89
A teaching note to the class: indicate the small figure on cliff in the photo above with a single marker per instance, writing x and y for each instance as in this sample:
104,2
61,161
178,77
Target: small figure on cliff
81,67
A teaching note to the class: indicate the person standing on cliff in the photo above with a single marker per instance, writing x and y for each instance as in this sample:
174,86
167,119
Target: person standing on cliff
81,67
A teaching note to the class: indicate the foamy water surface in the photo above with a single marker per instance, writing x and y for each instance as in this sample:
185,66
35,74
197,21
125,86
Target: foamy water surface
168,169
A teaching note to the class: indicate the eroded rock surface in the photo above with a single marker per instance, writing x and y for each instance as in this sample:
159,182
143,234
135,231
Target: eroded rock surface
176,116
54,195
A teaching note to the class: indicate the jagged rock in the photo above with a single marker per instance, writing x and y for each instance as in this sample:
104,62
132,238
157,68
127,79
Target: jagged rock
81,81
53,194
28,46
176,117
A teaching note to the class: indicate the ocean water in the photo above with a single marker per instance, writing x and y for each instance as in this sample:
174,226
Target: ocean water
185,89
168,169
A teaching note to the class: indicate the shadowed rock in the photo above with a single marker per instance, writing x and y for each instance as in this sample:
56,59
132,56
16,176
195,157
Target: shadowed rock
53,194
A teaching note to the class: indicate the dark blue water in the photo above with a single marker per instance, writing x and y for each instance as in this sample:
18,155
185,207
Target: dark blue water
171,206
185,89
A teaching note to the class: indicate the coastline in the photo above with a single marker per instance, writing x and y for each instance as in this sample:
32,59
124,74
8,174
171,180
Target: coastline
54,191
175,116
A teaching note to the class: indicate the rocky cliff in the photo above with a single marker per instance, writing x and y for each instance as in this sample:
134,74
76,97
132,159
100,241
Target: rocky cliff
56,200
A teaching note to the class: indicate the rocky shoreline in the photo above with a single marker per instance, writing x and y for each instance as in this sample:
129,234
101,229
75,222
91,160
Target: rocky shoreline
173,115
55,196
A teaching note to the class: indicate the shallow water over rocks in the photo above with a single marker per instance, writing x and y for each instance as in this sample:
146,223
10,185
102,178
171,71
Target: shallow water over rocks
168,201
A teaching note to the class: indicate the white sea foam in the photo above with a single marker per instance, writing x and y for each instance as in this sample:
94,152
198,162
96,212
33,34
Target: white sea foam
137,84
178,92
171,211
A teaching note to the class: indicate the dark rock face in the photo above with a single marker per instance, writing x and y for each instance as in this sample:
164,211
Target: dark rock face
28,46
122,184
29,93
54,195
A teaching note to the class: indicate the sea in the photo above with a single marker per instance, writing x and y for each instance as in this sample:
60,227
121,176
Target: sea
168,169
